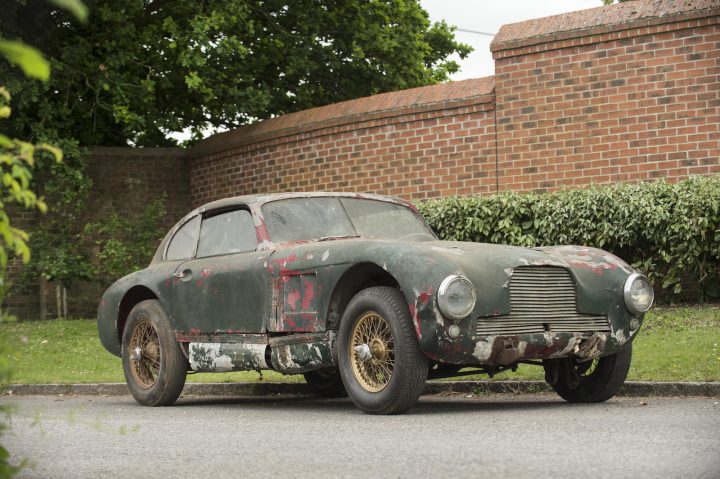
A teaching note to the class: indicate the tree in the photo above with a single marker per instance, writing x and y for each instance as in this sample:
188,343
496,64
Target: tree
139,70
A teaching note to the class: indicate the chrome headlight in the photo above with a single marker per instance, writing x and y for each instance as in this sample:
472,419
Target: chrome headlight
638,293
456,297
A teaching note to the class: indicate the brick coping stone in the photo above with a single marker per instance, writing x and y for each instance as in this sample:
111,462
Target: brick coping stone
630,389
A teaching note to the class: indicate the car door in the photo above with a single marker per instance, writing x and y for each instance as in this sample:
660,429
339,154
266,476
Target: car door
225,288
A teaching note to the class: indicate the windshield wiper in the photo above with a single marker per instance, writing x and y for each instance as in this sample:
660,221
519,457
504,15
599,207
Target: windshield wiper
328,238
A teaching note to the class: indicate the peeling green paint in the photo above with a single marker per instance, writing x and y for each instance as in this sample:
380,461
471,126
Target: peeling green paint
300,353
224,357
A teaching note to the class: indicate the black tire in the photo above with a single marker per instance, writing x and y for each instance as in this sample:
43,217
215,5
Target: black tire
590,381
154,365
391,379
326,383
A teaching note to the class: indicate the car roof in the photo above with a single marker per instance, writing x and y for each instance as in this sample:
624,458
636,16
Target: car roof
266,198
259,200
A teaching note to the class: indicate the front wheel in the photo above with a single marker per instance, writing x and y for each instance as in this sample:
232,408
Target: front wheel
380,361
589,381
153,363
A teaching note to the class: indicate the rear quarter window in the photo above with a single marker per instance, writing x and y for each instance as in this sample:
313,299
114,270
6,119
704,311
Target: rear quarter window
182,244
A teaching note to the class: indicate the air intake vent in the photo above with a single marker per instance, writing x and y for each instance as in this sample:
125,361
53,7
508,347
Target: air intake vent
542,298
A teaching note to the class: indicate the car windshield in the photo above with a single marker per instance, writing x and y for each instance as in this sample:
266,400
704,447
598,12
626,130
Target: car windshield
297,219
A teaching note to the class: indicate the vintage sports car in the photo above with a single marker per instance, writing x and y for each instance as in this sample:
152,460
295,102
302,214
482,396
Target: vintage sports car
356,293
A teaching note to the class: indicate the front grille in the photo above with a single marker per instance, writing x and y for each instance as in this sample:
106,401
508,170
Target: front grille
542,298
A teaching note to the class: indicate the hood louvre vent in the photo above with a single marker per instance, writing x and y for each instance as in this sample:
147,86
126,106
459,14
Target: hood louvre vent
542,299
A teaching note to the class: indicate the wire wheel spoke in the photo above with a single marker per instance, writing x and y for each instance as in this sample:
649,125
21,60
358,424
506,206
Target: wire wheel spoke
371,332
145,354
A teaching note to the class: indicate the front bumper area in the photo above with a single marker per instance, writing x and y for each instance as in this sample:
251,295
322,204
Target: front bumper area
506,349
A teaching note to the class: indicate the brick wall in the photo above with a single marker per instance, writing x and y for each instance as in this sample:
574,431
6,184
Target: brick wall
630,92
125,180
418,143
619,93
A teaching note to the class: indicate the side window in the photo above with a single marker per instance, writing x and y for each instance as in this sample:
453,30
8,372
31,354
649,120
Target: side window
182,243
226,233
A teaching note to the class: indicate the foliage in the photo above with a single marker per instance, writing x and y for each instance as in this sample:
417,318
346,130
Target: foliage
17,158
671,232
59,255
139,70
126,244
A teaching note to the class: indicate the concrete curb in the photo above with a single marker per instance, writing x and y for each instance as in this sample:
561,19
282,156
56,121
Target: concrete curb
631,388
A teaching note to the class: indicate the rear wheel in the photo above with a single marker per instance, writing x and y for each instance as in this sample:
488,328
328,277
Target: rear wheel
380,360
153,363
326,383
589,381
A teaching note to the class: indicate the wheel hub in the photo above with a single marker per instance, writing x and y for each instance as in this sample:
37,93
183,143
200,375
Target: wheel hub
144,354
363,352
372,352
379,349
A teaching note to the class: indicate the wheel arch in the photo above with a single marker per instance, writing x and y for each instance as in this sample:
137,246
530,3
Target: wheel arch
132,297
354,280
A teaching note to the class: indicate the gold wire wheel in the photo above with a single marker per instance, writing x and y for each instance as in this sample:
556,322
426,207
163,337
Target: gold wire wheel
144,350
372,352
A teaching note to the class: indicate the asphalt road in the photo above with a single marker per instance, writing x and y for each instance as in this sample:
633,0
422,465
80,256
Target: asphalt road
445,437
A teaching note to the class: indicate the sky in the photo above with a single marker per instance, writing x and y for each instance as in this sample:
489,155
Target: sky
488,16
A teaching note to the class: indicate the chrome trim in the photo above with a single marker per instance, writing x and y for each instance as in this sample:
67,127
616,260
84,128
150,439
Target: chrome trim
442,292
626,293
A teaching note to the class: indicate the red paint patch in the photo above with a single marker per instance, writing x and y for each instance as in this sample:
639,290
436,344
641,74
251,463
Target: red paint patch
597,269
289,322
413,315
282,263
261,232
425,296
308,295
199,283
292,298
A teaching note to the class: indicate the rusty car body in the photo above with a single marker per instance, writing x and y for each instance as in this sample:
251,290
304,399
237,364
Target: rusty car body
357,293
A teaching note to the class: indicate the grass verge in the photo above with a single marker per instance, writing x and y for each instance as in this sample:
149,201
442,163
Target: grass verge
675,344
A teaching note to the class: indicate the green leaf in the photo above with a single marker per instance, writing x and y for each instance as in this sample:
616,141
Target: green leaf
26,57
76,7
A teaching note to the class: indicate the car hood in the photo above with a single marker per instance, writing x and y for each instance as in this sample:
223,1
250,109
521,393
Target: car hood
599,275
420,266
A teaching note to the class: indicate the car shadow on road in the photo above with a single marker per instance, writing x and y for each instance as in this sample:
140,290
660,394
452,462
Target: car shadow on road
427,404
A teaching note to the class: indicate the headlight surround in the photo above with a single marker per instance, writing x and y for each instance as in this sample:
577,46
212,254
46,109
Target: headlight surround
456,297
638,293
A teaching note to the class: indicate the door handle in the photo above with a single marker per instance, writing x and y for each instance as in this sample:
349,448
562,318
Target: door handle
184,275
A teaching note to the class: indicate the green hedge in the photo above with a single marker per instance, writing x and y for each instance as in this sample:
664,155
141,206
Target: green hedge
671,232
